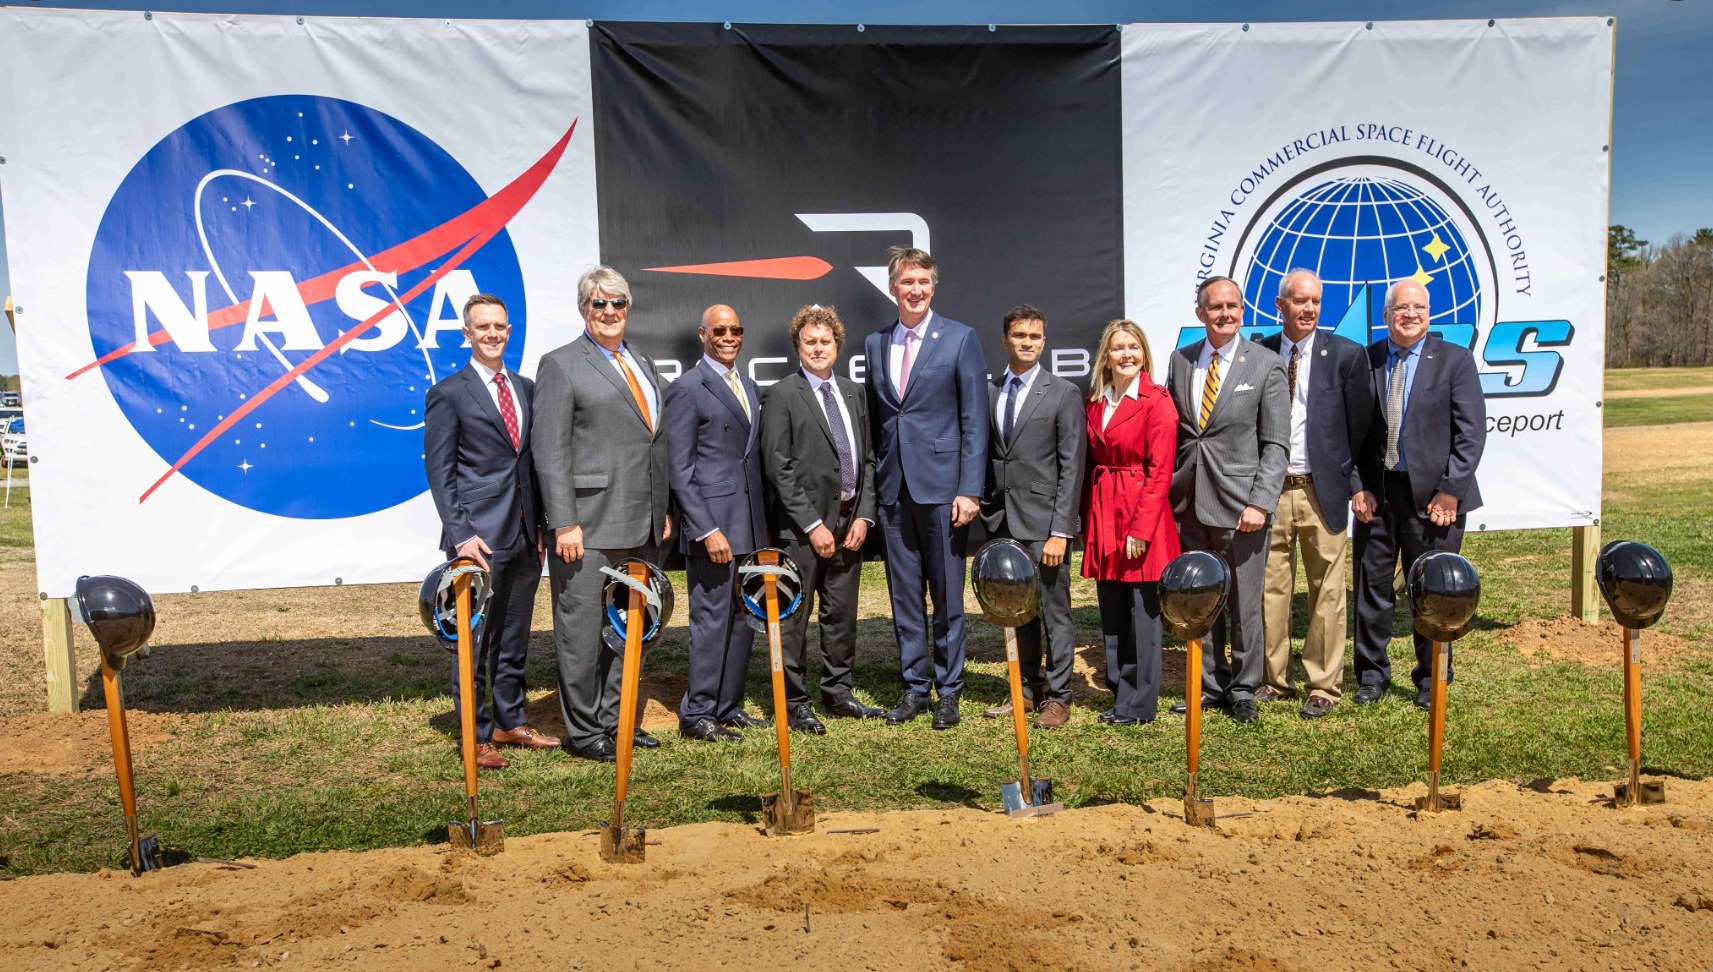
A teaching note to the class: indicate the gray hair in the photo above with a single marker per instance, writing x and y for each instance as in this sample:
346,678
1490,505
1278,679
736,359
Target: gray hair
1294,273
1392,291
602,278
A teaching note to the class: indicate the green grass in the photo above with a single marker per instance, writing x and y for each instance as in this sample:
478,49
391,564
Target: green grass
352,747
1658,411
1636,379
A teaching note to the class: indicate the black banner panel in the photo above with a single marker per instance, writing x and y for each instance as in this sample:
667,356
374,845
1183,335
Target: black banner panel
770,167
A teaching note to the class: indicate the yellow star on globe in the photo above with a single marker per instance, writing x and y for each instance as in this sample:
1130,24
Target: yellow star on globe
1436,249
1421,276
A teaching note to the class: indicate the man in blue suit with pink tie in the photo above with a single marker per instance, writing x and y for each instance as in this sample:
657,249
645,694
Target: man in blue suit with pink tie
927,394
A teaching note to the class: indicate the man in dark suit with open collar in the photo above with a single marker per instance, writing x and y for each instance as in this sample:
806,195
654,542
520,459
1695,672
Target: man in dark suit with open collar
475,433
1234,431
712,420
820,474
928,401
1326,377
600,452
1425,440
1036,447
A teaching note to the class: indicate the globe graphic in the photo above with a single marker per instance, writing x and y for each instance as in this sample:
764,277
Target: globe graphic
1358,232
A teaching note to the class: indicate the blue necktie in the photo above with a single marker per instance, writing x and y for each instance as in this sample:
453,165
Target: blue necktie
1008,419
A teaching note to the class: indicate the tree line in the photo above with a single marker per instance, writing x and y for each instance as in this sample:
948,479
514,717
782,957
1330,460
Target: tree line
1659,300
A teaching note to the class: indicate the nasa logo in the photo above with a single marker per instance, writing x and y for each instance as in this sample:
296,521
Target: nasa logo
276,284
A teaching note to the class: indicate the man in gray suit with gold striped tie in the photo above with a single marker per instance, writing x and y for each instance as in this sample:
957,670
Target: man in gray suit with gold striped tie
1234,439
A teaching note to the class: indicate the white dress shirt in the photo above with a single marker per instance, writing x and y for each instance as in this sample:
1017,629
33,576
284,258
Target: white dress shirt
1114,398
487,375
1225,357
1299,464
840,416
1005,400
895,353
649,393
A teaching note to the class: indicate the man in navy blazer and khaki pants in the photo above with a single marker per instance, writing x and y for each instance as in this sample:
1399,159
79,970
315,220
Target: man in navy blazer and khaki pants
475,437
712,417
927,395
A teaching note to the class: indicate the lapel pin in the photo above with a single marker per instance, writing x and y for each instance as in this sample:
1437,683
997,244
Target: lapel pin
934,334
1242,358
1323,352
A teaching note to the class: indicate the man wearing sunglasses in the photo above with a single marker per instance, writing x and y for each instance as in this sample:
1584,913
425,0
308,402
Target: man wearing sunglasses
712,417
599,440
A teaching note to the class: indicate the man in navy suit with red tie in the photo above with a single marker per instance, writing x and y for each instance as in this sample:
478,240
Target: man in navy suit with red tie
475,438
927,396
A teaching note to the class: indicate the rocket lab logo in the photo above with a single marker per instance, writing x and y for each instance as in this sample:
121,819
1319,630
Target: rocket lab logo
276,284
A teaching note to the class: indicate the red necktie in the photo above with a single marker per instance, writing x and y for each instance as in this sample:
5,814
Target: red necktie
508,409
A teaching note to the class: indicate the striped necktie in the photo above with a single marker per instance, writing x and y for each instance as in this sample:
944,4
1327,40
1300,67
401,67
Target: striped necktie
1210,389
737,389
635,391
1395,407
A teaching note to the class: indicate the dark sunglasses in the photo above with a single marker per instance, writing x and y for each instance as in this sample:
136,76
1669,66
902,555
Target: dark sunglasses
735,330
600,303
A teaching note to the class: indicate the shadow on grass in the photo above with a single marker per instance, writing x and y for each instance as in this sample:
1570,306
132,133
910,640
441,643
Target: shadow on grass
747,807
951,793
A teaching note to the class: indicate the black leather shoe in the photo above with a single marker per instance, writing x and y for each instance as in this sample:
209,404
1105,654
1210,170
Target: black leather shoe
707,730
908,708
1108,716
601,750
1183,708
645,740
802,719
1245,711
743,720
1424,700
849,708
1369,694
1118,720
946,712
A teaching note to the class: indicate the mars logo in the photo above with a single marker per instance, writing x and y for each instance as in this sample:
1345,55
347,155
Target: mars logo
275,285
1366,223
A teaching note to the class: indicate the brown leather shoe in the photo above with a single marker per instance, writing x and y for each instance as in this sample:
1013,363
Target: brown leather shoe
488,757
1268,693
1004,711
524,736
1053,715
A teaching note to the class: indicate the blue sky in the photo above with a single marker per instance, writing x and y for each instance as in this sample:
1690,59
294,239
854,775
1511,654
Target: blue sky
1662,162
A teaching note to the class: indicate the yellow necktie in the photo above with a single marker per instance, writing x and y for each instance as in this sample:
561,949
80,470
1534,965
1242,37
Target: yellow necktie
1210,389
737,389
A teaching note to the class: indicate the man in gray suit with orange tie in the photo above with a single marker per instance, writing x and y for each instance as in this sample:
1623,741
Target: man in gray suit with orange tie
1234,440
600,453
712,419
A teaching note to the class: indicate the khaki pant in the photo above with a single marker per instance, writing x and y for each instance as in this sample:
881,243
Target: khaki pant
1299,523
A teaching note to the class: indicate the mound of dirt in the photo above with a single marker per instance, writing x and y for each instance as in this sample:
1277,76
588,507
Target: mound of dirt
1545,876
1566,638
43,742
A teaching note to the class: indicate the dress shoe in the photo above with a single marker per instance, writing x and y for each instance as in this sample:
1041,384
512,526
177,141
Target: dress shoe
849,708
1268,693
645,740
908,708
1053,715
601,750
525,737
1369,694
1315,706
1004,711
1245,711
802,719
488,757
743,720
707,730
1424,700
1118,720
1108,716
946,712
1206,703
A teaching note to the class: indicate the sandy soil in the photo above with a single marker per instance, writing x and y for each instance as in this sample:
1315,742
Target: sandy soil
81,743
1565,638
1546,876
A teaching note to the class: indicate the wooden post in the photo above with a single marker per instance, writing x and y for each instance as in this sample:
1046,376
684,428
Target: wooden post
60,654
1584,552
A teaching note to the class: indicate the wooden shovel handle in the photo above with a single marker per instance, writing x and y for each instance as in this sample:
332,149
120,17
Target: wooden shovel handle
776,657
1633,691
121,737
628,686
1192,703
1018,725
1436,715
466,683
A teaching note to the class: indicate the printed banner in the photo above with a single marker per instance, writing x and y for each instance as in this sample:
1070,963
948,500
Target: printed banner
241,245
1468,155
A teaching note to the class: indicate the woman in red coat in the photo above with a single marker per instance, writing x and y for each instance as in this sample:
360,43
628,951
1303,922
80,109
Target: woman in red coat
1131,536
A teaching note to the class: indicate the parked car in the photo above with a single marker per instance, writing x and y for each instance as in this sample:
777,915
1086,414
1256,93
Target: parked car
11,398
12,440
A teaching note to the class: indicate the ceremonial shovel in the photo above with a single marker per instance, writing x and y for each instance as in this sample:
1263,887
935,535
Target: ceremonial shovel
145,850
1436,801
619,845
1193,588
1197,812
1009,591
790,811
1636,581
486,838
1039,792
1444,593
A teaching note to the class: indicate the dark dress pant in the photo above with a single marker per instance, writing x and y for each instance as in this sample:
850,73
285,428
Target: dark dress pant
1130,623
1052,682
502,642
590,674
1235,677
1396,530
921,564
833,583
720,642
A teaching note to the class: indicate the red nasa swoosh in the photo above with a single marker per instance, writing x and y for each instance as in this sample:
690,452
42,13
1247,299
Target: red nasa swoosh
474,228
777,268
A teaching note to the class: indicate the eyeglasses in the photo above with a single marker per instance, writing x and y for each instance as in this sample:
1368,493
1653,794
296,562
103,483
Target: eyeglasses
735,330
1414,308
600,303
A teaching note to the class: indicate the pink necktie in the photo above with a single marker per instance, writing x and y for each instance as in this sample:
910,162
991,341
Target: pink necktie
911,340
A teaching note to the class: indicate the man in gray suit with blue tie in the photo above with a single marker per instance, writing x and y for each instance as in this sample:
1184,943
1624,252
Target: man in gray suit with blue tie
712,420
1234,440
600,456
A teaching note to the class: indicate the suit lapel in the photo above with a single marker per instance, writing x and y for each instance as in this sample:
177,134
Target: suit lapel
478,390
1233,374
926,348
995,388
1128,408
1426,369
853,396
598,361
717,385
1031,401
1185,385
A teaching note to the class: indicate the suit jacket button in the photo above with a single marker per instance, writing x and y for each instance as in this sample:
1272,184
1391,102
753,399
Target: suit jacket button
728,428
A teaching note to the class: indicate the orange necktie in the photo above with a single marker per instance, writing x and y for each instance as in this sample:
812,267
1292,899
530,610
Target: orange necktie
635,391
